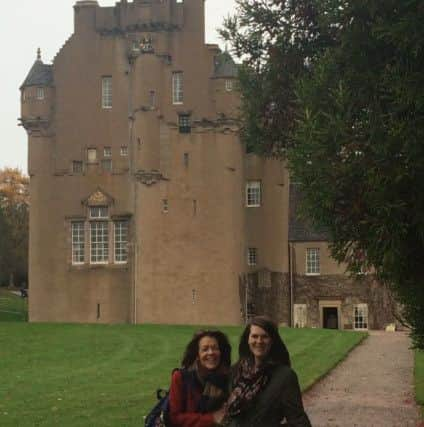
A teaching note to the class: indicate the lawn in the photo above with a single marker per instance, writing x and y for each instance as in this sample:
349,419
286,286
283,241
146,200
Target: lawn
13,308
419,379
100,375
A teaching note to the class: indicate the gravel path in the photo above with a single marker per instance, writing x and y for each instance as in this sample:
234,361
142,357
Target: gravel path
373,387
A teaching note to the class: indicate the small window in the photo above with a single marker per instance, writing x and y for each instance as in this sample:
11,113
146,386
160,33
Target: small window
360,316
312,261
194,207
252,256
99,212
228,85
107,165
92,155
78,242
107,92
124,151
165,206
253,194
184,123
177,87
121,241
107,152
23,95
152,99
39,93
77,166
186,159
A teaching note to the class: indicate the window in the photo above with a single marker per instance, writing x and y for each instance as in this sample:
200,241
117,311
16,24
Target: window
107,165
152,99
177,87
228,85
99,212
124,150
107,152
252,256
165,206
312,261
121,241
184,123
360,316
78,246
253,194
92,155
107,92
39,94
186,159
99,242
77,166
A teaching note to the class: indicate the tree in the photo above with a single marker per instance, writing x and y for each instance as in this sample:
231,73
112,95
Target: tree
355,140
14,218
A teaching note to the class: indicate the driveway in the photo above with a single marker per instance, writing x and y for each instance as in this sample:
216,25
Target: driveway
373,387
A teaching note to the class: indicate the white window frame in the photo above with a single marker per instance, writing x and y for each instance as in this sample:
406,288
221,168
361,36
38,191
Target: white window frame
99,242
360,315
107,92
120,232
39,93
78,242
98,212
107,152
252,257
124,150
177,87
91,155
229,85
253,194
313,262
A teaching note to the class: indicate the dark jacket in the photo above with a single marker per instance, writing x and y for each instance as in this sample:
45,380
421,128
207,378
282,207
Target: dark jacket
280,399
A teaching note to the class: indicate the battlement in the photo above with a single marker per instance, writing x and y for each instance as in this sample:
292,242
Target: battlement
140,16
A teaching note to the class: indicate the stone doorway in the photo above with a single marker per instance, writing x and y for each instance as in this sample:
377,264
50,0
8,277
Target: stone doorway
330,314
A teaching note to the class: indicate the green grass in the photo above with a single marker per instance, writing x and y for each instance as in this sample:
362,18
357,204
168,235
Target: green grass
419,379
100,375
13,308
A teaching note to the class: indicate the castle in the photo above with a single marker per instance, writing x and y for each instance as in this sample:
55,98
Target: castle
145,207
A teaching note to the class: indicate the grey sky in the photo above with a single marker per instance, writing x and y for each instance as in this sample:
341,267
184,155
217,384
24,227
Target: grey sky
26,25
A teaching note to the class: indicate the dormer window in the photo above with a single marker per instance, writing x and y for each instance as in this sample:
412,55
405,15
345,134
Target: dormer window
39,94
99,212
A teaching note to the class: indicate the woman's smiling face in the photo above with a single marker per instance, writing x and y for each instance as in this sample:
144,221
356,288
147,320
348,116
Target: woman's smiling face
209,354
259,343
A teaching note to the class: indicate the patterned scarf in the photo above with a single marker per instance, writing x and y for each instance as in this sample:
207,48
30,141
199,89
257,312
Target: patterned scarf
248,381
214,385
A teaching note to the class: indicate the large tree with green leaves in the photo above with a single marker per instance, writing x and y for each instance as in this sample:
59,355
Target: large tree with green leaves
338,88
14,218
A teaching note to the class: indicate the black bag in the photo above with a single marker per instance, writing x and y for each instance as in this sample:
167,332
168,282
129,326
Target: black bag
159,415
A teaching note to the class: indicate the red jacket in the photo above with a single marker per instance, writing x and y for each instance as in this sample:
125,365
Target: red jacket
182,408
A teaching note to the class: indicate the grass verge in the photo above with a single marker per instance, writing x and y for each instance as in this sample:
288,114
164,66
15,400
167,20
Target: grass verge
13,308
419,379
101,375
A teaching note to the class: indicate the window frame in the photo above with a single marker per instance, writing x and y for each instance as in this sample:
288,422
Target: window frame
364,316
79,242
107,92
96,250
253,194
123,248
252,256
177,87
80,168
40,93
313,263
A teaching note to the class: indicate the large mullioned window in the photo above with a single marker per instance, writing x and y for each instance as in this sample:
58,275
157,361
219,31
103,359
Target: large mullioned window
93,238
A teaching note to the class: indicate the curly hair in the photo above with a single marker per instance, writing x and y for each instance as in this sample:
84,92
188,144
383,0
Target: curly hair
278,352
192,349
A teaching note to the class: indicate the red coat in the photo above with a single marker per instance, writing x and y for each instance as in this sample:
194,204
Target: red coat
182,409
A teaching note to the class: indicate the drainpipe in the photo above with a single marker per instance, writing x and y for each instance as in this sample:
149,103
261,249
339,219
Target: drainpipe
291,279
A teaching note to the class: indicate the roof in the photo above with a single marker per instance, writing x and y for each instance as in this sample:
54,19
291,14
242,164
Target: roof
225,67
39,75
299,228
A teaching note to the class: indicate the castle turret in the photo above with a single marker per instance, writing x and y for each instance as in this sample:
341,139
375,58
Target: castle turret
37,95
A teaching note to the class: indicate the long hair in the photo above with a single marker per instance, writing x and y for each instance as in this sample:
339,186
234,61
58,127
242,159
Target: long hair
192,349
278,352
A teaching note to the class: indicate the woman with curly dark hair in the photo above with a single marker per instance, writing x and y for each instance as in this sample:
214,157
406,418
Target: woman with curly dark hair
265,390
200,388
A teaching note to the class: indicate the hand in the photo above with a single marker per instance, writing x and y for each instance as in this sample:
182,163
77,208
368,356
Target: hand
219,415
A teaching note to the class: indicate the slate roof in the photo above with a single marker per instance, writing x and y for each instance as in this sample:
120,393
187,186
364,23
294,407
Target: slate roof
299,229
225,67
39,75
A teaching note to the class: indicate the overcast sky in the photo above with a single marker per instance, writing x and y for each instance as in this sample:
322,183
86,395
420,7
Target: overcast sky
26,25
